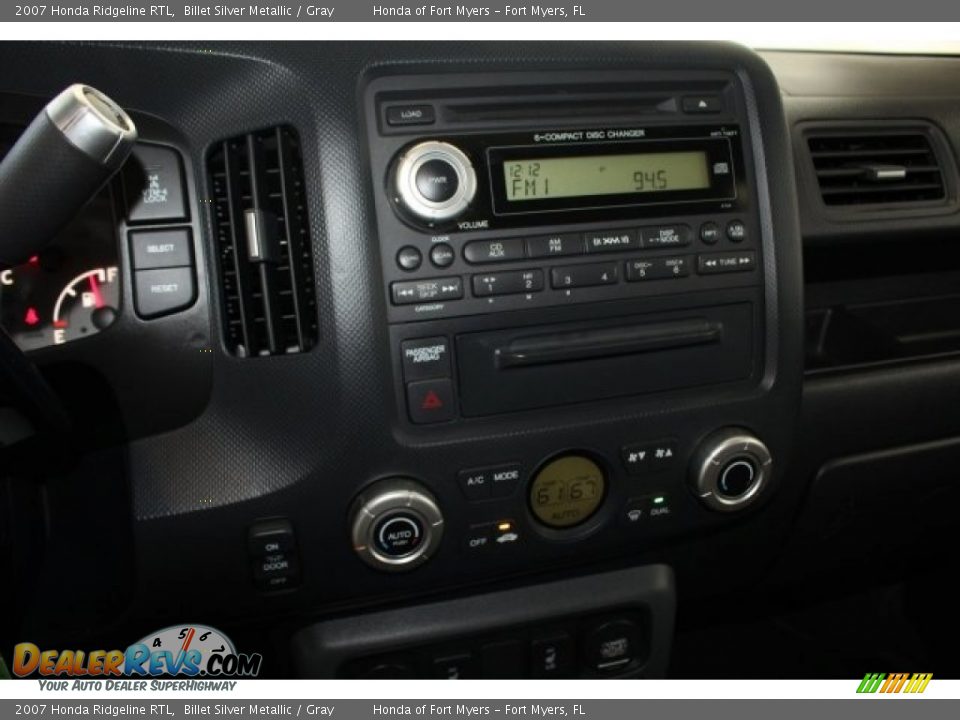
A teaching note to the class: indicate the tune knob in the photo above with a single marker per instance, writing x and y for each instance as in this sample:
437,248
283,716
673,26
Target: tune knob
434,181
730,470
396,525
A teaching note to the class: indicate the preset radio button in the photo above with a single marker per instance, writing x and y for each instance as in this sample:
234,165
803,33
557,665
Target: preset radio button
508,283
658,268
576,276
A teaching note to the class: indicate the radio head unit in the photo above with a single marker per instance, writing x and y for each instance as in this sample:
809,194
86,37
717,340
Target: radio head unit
539,177
547,245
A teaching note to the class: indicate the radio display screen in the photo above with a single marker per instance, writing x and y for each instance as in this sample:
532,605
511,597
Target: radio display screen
566,177
620,174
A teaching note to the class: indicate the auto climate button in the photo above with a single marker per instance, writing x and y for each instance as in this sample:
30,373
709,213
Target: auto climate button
396,525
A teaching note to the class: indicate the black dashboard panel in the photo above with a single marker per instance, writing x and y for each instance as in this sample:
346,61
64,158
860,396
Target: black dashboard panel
292,443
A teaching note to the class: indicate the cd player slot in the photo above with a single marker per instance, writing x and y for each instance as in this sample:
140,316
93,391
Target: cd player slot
607,342
583,107
508,370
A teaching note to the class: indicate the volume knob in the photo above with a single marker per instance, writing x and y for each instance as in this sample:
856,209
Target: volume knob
434,181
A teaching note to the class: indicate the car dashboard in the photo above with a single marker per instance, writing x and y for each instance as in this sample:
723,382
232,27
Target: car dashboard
487,359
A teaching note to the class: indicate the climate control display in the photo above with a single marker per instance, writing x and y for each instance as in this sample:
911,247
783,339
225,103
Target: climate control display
567,491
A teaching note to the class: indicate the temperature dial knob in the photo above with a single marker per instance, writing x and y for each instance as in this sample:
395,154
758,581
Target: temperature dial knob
730,470
434,181
396,525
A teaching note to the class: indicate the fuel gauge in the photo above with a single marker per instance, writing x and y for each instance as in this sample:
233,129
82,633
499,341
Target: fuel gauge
87,305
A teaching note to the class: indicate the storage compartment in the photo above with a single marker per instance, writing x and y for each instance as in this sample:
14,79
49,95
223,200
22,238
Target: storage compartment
869,305
525,368
864,334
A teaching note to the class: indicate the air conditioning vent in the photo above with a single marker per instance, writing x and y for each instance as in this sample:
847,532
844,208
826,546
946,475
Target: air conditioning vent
263,243
876,167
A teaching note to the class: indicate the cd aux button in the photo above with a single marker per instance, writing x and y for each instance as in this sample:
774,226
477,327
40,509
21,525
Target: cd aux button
479,252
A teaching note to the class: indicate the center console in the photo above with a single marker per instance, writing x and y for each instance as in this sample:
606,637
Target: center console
560,246
592,310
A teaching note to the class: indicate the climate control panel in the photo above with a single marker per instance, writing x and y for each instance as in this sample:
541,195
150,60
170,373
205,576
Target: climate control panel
640,492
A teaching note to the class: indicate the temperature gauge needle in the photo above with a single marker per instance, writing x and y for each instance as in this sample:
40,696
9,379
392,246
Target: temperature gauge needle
95,289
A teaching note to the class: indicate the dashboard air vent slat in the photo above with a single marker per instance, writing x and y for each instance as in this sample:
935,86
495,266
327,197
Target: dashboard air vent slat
876,167
263,242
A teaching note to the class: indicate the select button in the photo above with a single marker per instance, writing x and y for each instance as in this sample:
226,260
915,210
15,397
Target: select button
153,249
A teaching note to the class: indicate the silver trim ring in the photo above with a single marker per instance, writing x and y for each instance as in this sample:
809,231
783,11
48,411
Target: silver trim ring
405,180
384,500
94,124
717,455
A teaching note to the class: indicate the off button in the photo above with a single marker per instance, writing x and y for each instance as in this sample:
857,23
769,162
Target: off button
399,535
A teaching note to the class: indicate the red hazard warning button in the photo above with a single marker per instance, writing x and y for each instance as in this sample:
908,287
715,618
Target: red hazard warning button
431,401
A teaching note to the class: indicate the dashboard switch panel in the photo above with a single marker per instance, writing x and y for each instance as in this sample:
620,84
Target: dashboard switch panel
273,553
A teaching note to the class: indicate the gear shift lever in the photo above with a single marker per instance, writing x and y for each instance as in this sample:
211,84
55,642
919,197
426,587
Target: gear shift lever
69,151
63,158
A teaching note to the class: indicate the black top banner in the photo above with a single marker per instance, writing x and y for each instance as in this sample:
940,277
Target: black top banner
480,11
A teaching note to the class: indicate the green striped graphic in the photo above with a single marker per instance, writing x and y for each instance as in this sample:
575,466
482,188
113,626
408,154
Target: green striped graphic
893,683
871,682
